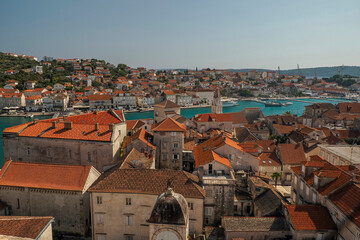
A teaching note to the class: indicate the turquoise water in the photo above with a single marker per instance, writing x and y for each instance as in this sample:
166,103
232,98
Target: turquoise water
295,108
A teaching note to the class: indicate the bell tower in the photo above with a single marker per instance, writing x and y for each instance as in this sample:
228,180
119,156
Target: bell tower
216,106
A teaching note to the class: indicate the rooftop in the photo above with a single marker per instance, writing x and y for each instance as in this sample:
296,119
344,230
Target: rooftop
254,224
46,176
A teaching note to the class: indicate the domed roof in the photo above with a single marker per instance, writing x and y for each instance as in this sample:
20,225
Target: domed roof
170,208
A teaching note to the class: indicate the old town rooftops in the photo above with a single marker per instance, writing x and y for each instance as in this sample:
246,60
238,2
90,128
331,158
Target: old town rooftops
148,181
97,126
23,227
168,125
45,176
167,104
310,217
235,118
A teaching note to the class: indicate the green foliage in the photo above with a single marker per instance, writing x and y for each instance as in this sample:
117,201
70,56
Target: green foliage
341,80
352,141
279,139
245,93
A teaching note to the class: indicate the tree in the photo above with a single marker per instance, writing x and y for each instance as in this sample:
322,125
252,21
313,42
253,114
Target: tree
288,113
275,176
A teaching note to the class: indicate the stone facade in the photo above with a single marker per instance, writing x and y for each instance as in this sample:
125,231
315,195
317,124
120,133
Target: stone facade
64,151
169,151
114,211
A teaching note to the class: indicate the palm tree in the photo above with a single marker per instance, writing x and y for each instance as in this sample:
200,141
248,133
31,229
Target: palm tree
275,176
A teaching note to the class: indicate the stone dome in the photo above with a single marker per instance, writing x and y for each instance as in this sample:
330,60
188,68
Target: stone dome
170,208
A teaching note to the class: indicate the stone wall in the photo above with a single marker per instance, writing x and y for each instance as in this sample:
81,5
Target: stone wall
69,208
114,211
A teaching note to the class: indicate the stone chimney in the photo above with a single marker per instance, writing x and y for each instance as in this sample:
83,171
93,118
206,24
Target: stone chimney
201,174
111,127
68,125
53,124
96,126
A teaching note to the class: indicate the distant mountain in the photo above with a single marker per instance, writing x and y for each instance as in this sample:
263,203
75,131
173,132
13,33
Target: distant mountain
310,72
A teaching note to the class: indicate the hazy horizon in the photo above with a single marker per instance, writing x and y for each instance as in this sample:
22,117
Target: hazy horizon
187,34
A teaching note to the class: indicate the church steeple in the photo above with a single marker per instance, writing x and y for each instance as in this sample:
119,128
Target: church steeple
216,104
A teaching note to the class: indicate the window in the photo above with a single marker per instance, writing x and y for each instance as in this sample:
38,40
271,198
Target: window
129,220
129,237
175,156
28,151
128,201
100,218
208,193
100,237
176,145
173,134
208,211
210,168
18,203
99,200
191,205
89,157
248,208
235,208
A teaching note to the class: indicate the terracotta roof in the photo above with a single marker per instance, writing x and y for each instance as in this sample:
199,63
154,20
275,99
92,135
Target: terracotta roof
23,227
168,125
269,159
134,124
291,153
97,97
142,135
284,129
83,127
47,176
136,159
310,217
349,107
167,104
148,181
235,118
347,199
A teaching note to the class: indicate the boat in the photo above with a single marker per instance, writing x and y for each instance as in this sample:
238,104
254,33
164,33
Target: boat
272,104
229,103
288,103
29,116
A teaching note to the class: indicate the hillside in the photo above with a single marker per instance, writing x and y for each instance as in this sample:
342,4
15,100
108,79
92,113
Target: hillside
310,72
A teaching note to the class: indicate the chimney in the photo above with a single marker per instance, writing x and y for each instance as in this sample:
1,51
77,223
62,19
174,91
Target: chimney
68,125
111,127
96,126
54,124
65,118
201,174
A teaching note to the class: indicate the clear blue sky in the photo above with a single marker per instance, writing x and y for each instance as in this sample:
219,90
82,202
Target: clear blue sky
186,34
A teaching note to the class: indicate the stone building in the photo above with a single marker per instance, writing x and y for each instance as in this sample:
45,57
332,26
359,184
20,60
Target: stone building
169,141
87,139
170,217
142,141
60,191
217,176
165,109
126,198
216,106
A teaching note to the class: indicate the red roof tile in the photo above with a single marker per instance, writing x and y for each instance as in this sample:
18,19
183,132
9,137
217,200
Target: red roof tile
47,176
23,227
291,153
169,125
310,217
148,181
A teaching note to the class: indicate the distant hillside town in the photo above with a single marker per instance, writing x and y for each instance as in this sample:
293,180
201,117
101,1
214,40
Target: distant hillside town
92,174
58,85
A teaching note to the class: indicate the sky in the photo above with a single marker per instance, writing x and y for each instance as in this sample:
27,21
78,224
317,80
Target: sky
187,33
